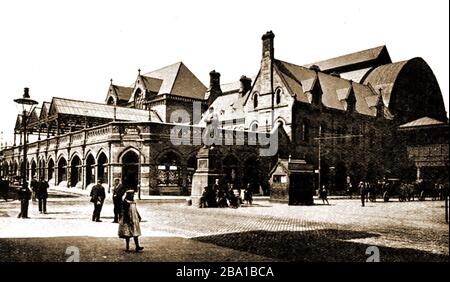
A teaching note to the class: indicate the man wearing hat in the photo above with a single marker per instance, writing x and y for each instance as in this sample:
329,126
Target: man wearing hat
98,196
118,191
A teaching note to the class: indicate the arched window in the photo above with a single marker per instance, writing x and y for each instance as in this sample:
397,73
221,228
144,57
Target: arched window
62,168
102,167
110,101
254,127
255,100
138,99
278,93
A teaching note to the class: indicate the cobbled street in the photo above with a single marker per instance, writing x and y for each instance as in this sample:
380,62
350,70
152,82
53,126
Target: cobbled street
265,231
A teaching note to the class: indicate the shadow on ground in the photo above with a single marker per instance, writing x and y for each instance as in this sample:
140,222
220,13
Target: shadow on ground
329,245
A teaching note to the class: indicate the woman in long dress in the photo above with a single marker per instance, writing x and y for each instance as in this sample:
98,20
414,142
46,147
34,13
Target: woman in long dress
129,221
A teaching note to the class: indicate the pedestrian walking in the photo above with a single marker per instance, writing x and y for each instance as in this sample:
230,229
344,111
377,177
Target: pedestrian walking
248,195
362,192
118,192
97,198
24,195
129,222
42,195
323,194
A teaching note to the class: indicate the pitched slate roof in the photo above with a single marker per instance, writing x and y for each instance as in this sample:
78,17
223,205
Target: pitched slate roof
364,56
335,90
298,79
152,84
96,110
424,121
178,80
122,93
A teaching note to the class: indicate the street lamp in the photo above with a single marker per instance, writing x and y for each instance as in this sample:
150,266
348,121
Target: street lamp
26,105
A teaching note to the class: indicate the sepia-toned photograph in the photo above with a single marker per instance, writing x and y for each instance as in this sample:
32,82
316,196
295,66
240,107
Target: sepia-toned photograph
251,132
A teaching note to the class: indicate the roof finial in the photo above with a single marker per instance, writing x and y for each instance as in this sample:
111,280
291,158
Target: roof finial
111,81
139,71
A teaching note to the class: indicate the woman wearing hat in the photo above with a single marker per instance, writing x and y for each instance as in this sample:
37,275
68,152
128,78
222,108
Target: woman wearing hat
129,221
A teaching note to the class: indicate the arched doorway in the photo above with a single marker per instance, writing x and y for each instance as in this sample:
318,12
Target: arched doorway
75,171
42,169
102,167
252,174
230,165
62,167
340,177
50,169
130,170
90,176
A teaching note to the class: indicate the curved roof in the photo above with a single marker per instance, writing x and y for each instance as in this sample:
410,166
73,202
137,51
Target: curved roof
384,77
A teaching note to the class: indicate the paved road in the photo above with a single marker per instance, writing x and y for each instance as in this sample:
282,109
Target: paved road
411,231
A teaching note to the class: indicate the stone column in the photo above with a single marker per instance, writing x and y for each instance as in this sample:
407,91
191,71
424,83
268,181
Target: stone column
208,164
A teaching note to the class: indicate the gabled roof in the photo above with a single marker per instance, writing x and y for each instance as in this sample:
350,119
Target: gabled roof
151,84
122,93
178,80
18,124
34,116
424,121
96,110
298,79
44,110
353,61
335,90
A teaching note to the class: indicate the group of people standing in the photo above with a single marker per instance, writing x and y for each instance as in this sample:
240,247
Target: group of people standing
39,191
125,211
225,196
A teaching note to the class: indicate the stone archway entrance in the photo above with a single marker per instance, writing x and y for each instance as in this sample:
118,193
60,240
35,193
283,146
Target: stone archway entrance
62,165
75,171
130,170
90,176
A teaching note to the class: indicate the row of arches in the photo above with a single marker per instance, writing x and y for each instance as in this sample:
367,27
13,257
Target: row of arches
169,172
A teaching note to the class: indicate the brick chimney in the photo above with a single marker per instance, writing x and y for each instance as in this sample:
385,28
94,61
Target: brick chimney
267,63
246,84
214,90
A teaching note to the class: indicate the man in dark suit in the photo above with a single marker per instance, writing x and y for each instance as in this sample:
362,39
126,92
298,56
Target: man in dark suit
24,197
98,196
118,192
42,195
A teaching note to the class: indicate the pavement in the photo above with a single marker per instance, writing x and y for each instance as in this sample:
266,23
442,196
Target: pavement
265,231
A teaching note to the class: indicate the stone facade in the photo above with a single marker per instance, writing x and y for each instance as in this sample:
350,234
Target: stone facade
340,115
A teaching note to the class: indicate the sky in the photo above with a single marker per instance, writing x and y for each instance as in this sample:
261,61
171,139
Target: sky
72,48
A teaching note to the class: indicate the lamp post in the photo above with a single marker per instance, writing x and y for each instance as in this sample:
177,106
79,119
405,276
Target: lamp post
26,105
